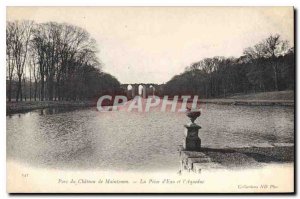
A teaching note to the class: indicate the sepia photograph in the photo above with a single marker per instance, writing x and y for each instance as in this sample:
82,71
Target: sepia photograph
150,99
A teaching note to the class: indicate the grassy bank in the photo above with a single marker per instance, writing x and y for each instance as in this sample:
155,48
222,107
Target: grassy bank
249,102
24,106
275,95
276,98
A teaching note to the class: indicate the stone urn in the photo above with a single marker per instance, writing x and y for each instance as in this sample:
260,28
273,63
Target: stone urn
193,114
192,142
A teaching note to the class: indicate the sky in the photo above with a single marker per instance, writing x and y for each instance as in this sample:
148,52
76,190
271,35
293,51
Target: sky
152,44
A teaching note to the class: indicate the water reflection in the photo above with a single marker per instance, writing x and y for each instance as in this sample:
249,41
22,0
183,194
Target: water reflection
86,138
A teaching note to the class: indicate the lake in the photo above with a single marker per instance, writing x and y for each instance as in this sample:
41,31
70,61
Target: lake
134,141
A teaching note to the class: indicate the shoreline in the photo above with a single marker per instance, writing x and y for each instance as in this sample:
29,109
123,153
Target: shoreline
25,106
249,102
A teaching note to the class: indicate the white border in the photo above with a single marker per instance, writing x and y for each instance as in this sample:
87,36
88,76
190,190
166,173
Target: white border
4,3
150,3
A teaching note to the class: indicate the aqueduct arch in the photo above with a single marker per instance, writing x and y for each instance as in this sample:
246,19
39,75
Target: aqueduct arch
142,89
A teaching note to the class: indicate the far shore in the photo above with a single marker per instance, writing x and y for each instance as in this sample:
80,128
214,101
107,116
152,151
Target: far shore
275,98
26,106
249,102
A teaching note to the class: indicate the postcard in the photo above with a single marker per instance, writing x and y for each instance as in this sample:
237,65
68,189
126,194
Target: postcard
150,99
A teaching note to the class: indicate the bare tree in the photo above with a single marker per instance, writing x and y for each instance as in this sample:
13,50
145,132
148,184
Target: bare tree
60,58
38,46
272,47
22,32
266,66
10,64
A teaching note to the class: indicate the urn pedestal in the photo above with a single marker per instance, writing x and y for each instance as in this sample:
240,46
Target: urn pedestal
191,142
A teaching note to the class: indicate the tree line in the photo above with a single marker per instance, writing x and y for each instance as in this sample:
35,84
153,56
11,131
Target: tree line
266,66
53,61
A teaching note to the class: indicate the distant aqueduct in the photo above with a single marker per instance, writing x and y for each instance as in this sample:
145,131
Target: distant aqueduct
132,90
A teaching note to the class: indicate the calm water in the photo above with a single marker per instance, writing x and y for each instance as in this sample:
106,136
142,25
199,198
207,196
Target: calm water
121,140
